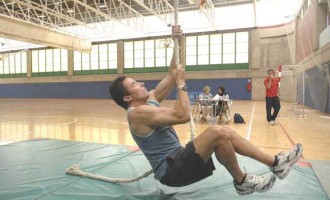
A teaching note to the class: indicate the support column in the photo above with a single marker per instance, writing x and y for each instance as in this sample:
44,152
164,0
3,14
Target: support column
28,63
255,49
70,62
120,57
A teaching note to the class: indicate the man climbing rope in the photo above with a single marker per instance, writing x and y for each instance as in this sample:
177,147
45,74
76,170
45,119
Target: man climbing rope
175,165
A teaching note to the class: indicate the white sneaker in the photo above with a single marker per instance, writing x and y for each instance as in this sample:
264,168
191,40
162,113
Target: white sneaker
271,122
254,183
285,160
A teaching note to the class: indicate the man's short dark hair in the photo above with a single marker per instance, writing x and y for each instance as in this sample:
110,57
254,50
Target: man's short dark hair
271,70
117,91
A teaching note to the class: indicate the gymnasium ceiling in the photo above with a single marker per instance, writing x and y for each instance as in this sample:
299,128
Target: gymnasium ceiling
61,13
93,17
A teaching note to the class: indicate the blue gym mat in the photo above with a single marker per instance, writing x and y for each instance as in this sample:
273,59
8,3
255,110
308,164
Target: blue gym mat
35,169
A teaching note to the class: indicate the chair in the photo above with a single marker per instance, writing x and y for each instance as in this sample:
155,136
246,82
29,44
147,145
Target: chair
198,107
194,100
225,111
196,110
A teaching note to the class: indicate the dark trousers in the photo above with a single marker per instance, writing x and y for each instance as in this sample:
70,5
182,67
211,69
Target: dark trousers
272,102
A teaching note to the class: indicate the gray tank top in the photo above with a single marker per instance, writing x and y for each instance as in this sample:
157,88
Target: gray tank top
157,145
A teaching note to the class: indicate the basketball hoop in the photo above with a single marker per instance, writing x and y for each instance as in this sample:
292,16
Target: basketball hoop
201,4
165,43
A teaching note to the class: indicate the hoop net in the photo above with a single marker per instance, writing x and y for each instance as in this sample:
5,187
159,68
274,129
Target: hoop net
206,7
200,3
305,88
166,43
305,78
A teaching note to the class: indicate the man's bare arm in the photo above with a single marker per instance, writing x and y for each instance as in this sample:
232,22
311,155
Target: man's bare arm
269,84
144,118
164,87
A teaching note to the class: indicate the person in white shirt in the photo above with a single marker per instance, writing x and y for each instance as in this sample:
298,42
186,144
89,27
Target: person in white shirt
222,97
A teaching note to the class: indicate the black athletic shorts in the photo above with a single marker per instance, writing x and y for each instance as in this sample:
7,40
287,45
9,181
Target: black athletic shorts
184,167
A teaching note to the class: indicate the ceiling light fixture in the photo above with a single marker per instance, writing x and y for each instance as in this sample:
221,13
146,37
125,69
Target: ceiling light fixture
191,1
102,6
70,10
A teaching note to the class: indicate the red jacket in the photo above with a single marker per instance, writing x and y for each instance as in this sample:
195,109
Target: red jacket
273,90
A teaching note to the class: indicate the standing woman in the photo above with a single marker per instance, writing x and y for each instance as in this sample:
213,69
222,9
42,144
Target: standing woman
272,100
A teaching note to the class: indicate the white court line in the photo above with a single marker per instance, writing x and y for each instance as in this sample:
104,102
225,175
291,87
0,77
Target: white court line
248,135
324,117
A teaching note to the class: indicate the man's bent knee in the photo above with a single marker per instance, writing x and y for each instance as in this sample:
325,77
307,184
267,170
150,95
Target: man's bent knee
220,132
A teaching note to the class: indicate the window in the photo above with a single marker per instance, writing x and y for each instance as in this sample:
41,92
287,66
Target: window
41,61
35,61
216,49
112,53
85,62
139,54
95,57
1,65
103,56
242,47
102,59
13,64
147,55
23,62
6,66
18,63
49,62
160,53
191,50
228,48
169,54
128,55
77,61
203,50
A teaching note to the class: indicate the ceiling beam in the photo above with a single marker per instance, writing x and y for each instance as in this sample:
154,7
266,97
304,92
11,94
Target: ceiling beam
26,32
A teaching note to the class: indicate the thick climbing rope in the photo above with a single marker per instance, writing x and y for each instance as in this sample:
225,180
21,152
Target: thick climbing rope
75,169
177,62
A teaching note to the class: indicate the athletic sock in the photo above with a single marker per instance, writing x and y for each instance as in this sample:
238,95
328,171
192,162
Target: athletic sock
243,179
275,162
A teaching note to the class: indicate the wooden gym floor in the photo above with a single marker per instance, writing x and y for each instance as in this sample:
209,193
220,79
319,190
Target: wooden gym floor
101,121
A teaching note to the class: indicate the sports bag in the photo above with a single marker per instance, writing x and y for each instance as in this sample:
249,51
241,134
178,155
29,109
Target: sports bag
238,118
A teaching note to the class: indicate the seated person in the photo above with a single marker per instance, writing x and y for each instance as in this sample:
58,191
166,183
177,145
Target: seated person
205,103
222,97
